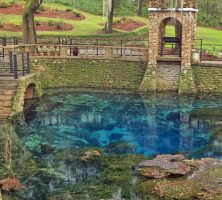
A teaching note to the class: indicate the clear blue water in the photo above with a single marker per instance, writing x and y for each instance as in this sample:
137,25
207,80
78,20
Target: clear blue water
57,127
124,124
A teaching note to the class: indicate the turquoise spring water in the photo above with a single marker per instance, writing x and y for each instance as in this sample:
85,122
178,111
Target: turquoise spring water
119,124
148,125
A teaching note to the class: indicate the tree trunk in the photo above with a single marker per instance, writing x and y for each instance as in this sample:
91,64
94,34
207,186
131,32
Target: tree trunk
140,7
110,13
29,33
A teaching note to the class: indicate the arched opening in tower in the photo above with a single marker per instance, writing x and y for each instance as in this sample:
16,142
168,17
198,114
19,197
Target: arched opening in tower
170,37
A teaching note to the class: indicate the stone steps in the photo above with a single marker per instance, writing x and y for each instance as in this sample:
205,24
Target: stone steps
7,81
8,87
5,98
3,121
6,104
5,111
7,92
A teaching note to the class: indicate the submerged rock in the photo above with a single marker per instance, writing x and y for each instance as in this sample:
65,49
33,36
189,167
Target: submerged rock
199,179
90,154
164,166
120,147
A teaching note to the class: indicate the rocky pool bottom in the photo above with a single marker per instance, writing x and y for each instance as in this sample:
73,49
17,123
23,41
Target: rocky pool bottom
72,145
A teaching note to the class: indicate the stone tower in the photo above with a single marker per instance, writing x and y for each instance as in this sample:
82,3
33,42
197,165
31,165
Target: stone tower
182,15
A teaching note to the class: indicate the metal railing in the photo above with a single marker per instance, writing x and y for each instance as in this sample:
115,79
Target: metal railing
209,52
18,65
5,41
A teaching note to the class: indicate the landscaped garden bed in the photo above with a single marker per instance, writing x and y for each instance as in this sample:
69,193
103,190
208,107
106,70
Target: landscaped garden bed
64,14
17,9
41,26
127,24
207,56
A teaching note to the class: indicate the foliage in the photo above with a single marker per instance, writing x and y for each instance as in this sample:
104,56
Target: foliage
59,25
214,51
210,13
122,7
37,22
76,14
50,23
11,184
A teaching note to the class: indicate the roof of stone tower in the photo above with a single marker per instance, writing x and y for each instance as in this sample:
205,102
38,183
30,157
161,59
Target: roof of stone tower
172,4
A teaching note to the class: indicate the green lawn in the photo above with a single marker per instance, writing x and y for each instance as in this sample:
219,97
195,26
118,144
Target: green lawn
93,24
122,7
88,27
211,37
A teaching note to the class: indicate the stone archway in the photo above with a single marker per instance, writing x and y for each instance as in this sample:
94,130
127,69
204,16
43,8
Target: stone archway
174,42
28,87
29,92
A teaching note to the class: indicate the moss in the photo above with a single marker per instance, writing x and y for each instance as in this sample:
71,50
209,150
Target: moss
116,176
208,79
149,80
23,83
202,186
90,73
187,84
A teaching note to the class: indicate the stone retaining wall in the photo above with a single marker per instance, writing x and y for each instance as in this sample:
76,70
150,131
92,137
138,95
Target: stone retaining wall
103,74
208,79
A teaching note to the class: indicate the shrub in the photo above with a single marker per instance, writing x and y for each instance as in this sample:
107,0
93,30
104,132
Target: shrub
41,8
214,51
51,23
123,19
37,22
4,5
68,10
1,24
59,25
76,14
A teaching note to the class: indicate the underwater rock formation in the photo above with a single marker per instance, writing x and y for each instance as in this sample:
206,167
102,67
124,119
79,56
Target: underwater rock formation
164,166
199,179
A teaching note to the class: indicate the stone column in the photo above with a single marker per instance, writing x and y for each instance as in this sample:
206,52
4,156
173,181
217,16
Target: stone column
187,84
149,80
6,52
63,51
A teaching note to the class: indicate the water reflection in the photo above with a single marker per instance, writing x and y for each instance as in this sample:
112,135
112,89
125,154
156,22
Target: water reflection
148,124
47,143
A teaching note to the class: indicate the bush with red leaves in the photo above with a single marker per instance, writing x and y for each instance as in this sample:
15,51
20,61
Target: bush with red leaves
11,184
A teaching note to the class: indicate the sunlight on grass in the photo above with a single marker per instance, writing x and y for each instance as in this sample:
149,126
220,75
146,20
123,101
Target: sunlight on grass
93,24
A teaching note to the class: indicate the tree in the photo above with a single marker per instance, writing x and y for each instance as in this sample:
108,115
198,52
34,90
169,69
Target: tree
29,33
109,12
140,7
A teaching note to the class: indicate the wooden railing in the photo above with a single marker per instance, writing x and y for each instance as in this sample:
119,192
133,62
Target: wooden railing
83,52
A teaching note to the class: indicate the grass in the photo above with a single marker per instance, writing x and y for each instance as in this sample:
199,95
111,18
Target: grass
93,24
6,1
122,7
88,27
211,37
